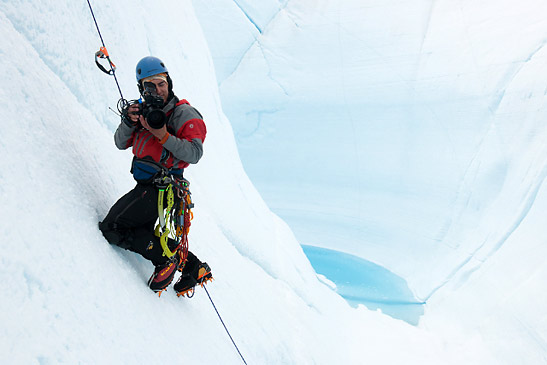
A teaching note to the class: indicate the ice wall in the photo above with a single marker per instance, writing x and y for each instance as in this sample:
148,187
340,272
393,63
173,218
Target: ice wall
70,297
408,133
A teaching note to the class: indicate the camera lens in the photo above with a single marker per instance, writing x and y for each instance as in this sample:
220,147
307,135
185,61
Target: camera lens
156,118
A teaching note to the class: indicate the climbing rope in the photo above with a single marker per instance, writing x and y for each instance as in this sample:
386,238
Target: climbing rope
221,321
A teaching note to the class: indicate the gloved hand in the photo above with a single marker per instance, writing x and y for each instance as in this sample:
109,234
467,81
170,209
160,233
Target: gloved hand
130,114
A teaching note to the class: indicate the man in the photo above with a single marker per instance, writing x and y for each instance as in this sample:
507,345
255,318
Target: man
168,137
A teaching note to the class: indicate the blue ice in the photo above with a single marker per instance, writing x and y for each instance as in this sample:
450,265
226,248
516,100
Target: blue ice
362,282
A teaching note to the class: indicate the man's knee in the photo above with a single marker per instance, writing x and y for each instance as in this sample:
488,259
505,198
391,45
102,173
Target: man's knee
113,234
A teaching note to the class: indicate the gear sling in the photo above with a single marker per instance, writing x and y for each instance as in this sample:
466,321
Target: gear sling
176,216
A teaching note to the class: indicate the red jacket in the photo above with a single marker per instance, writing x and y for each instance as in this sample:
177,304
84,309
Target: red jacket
184,145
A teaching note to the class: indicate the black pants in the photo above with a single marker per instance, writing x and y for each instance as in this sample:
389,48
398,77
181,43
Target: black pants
131,221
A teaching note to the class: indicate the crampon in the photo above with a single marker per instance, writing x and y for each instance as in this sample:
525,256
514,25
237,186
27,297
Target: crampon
185,286
189,293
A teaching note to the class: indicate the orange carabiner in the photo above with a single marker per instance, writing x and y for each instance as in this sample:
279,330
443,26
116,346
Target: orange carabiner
103,53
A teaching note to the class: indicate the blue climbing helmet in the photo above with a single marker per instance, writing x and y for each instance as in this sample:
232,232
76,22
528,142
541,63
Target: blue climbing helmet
149,66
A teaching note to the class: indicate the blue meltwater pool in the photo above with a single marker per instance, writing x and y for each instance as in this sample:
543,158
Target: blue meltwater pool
361,282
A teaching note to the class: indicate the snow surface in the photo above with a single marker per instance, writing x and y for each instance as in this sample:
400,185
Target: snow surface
409,133
70,297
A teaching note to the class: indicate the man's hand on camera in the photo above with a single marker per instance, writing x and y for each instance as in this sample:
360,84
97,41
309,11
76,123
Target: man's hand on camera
133,113
158,133
130,115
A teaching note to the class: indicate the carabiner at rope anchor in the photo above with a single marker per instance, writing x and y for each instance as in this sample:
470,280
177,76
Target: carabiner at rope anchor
103,53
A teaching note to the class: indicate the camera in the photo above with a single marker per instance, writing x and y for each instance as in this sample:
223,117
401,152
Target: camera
152,106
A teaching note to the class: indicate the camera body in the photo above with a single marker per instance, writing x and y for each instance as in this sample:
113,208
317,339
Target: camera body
151,107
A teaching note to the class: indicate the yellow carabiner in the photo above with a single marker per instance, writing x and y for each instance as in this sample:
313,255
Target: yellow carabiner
164,219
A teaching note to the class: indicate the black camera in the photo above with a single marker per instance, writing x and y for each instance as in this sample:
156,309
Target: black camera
152,106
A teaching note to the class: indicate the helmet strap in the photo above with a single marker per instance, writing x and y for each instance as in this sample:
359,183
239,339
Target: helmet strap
170,85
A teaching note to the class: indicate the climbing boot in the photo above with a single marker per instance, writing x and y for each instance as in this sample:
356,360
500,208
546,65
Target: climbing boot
163,275
188,280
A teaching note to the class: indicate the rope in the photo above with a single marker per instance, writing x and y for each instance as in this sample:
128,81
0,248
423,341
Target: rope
221,321
107,56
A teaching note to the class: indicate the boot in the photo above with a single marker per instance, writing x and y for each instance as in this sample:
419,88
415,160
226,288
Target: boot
163,275
188,280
